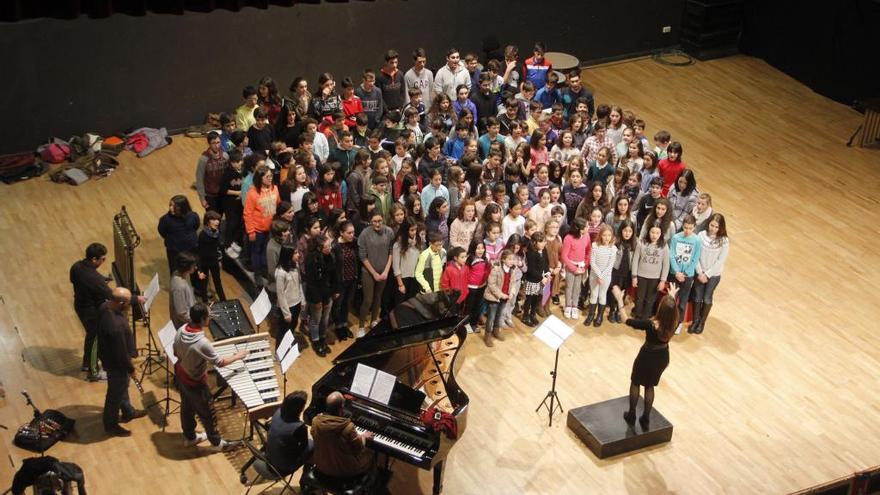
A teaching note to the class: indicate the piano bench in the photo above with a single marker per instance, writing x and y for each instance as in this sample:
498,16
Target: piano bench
313,482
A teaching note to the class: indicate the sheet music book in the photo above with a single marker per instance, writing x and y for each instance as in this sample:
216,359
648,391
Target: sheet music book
151,291
553,332
261,307
287,351
166,339
284,345
373,383
289,358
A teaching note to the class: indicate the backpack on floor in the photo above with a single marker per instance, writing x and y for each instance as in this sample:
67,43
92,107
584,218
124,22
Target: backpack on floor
20,166
54,152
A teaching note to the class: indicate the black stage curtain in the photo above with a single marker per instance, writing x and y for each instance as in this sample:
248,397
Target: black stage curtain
832,46
17,10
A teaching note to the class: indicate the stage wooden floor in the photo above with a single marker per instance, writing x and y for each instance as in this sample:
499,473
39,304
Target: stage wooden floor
774,396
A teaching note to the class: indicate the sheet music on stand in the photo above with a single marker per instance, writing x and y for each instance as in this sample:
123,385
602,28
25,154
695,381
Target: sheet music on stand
150,292
373,383
553,332
287,352
261,307
166,338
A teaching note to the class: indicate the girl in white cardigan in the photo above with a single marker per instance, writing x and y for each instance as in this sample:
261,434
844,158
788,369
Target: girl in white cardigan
713,255
288,287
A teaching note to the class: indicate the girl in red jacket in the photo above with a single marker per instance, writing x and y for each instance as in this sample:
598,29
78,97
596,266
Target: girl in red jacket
455,275
329,195
478,275
671,166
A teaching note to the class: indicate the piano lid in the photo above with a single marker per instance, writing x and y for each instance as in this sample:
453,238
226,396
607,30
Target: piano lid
418,320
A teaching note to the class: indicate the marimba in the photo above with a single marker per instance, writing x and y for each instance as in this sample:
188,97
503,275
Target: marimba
254,379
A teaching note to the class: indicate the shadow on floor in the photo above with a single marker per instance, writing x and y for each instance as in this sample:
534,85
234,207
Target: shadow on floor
58,361
89,428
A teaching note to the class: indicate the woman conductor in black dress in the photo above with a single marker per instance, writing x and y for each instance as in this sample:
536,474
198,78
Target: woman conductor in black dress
653,357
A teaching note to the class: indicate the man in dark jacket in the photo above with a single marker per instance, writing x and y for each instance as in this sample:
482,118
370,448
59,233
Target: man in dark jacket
90,290
116,348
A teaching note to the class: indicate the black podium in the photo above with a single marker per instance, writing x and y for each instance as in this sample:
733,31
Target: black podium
602,428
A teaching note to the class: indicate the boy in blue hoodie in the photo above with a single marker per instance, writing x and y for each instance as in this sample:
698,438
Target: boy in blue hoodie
684,254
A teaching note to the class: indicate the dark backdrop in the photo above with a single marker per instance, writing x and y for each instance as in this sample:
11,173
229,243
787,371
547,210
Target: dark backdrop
67,77
832,46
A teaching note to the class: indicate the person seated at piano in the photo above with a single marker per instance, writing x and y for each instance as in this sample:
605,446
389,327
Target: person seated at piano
340,451
194,352
289,446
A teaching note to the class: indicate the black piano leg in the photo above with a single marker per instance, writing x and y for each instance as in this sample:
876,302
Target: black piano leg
438,478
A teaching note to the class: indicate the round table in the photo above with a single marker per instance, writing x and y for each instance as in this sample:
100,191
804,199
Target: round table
562,62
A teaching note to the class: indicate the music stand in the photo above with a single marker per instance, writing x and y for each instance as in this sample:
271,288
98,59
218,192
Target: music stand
554,333
286,353
166,336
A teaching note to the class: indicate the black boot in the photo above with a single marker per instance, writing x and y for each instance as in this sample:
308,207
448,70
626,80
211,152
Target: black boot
524,314
319,349
600,312
704,314
591,311
533,308
614,314
697,319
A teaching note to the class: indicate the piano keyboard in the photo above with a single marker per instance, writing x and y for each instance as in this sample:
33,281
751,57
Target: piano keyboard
253,379
392,443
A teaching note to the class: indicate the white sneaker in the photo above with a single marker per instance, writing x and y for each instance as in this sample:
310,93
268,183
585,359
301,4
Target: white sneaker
200,437
235,247
100,376
360,332
678,328
469,328
224,446
232,253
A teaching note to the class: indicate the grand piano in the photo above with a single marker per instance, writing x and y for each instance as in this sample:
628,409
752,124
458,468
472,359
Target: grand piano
417,342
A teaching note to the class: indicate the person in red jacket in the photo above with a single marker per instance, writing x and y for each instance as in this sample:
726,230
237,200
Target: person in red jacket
351,103
478,274
671,166
455,276
327,190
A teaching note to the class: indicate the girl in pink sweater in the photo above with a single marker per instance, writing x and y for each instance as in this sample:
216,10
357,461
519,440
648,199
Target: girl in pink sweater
575,258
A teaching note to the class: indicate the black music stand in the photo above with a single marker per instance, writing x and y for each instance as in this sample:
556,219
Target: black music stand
153,360
552,396
167,400
553,332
